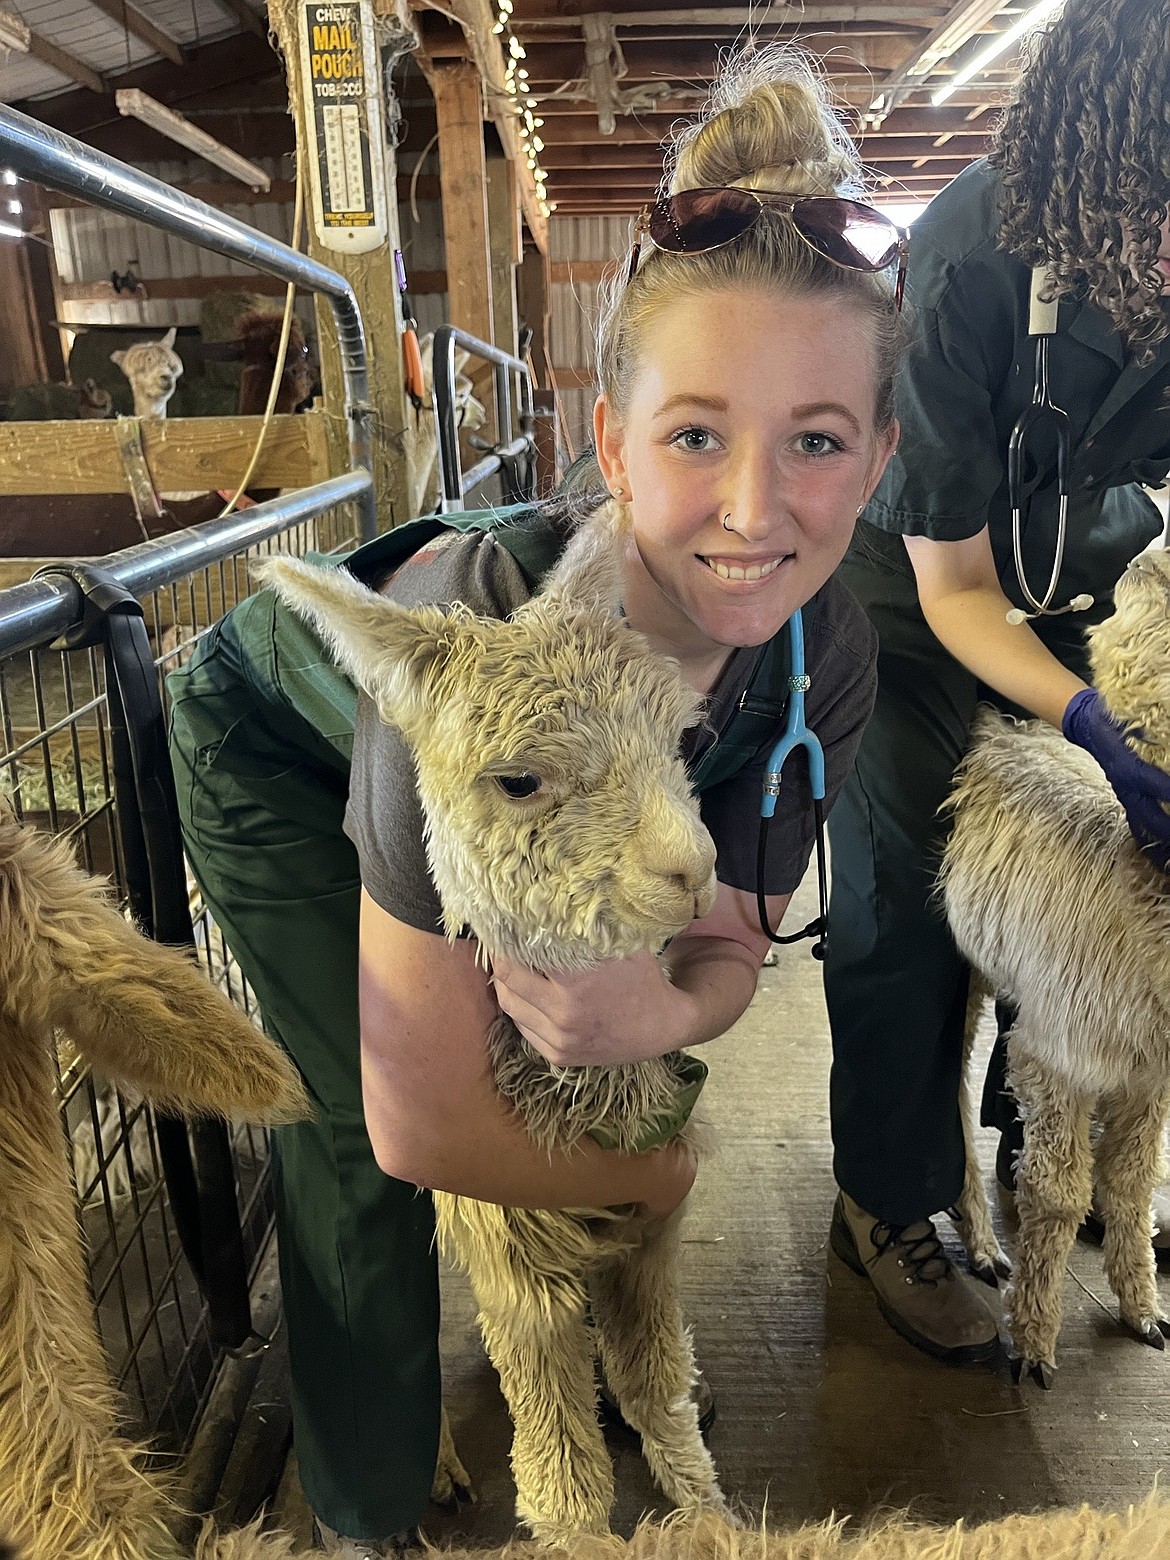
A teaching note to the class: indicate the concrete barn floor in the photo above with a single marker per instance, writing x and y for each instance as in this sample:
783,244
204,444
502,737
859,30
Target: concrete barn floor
821,1406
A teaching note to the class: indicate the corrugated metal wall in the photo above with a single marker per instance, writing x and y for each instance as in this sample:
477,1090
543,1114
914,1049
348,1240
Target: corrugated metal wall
574,312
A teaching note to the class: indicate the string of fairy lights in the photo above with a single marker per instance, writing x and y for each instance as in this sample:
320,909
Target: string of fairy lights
523,103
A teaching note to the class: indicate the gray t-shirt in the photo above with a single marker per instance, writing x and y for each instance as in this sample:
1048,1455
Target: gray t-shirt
384,817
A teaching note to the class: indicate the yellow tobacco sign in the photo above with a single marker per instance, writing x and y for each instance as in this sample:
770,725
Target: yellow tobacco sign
343,115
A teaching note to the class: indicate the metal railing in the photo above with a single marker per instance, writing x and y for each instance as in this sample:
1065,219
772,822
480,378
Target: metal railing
513,455
58,766
83,649
35,151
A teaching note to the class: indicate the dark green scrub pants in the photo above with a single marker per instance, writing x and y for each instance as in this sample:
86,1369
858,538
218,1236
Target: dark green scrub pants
261,739
895,984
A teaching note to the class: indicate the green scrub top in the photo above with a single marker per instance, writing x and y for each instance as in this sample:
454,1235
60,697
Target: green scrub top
969,375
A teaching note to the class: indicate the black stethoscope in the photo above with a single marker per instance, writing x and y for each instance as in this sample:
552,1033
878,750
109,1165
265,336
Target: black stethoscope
1042,325
797,734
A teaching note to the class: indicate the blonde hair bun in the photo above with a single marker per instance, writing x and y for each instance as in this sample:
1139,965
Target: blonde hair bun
769,123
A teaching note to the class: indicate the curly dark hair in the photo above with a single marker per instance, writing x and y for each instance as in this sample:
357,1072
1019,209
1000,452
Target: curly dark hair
1084,153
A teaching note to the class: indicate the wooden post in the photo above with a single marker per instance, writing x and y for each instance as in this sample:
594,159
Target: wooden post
506,247
32,352
534,291
463,186
371,275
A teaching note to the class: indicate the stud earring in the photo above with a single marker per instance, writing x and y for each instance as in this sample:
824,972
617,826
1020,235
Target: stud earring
617,492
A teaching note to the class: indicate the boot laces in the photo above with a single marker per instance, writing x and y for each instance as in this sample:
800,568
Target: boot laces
924,1257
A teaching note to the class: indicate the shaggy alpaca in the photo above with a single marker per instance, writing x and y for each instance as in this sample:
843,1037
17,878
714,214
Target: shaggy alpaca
1053,903
153,369
70,1488
422,439
562,830
258,333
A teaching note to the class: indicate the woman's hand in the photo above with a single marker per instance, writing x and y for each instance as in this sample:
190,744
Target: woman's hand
1141,788
624,1010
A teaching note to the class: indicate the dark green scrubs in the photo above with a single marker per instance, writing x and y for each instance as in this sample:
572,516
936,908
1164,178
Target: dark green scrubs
895,985
261,739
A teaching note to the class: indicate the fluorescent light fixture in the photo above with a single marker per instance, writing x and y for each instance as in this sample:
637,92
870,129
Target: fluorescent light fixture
9,230
8,176
14,33
998,45
15,208
135,103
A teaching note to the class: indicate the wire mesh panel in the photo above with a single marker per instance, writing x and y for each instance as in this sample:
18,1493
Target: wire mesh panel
56,766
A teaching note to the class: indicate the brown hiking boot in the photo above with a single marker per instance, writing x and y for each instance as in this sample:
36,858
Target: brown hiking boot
918,1289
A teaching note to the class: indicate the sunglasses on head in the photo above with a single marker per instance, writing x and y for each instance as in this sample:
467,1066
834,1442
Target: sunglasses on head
846,232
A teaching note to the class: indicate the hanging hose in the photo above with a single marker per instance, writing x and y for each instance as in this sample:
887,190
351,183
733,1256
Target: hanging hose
281,351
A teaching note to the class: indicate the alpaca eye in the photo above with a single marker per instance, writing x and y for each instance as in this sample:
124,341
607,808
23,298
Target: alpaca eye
518,786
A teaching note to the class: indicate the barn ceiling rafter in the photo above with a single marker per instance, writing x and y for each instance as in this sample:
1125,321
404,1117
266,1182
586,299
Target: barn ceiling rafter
602,84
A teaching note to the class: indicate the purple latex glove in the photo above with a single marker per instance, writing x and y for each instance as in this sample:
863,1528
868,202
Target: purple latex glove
1141,788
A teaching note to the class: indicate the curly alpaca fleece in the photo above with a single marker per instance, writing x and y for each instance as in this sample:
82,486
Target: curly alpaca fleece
561,828
1053,904
70,1488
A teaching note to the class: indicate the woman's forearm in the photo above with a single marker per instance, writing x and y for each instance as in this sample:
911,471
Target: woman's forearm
972,624
481,1149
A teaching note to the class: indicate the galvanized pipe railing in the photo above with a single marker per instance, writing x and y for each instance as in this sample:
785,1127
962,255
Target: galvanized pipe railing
454,482
44,608
49,157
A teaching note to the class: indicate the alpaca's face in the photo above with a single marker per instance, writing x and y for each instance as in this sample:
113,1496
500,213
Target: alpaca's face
561,825
151,367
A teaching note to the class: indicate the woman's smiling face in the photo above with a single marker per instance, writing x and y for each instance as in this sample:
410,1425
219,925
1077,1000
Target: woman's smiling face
751,406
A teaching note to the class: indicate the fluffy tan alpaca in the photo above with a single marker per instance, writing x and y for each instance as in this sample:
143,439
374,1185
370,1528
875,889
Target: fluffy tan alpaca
153,369
561,828
1051,900
70,1488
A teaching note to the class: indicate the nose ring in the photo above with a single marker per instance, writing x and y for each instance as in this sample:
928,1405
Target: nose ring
727,521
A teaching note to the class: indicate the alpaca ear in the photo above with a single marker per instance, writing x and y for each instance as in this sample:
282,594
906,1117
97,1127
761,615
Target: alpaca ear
590,570
386,649
169,339
118,357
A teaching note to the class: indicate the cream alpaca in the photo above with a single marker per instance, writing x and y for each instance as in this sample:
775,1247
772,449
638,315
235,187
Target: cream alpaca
599,853
70,1489
153,369
1051,900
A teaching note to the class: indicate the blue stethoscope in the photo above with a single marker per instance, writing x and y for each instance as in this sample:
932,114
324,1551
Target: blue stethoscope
796,735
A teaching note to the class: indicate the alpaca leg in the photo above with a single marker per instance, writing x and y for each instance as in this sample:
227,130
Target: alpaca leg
564,1478
1129,1167
649,1363
1053,1192
452,1482
972,1216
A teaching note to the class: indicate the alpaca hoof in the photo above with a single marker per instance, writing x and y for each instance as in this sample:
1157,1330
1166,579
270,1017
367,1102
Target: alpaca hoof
1040,1371
1150,1332
988,1272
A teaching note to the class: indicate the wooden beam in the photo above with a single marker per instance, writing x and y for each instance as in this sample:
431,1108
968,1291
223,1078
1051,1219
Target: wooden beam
217,65
173,287
183,453
132,19
563,13
463,179
248,18
477,17
68,64
505,247
280,192
688,61
874,148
